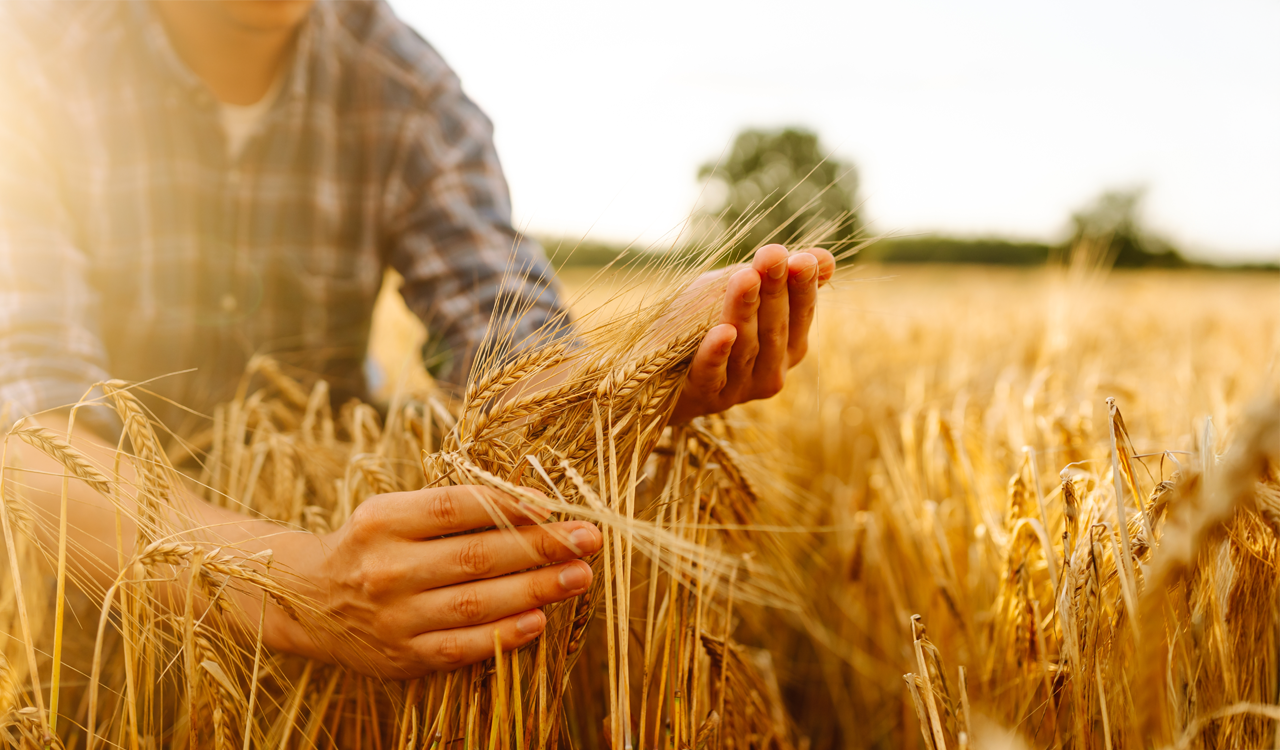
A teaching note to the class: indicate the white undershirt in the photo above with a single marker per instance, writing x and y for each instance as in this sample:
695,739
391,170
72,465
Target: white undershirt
240,121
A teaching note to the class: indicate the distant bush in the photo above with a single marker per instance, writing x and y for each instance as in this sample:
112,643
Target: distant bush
1111,222
573,253
781,183
933,249
1114,220
923,249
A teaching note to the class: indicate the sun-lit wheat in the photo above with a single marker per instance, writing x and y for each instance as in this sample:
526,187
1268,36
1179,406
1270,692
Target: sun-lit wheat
942,534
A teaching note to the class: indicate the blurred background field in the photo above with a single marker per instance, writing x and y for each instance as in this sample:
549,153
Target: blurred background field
942,411
965,301
899,461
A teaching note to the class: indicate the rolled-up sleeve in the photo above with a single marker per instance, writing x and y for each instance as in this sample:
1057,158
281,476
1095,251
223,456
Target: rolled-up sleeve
479,287
51,350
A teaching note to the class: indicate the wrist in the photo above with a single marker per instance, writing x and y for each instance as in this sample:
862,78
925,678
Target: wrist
298,563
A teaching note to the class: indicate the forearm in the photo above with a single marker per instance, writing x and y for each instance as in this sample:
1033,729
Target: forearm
101,530
397,591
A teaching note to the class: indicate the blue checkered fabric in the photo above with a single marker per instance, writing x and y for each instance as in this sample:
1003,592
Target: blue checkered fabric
133,246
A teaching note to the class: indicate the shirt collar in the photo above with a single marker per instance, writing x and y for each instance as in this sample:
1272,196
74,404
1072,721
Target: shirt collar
157,43
313,30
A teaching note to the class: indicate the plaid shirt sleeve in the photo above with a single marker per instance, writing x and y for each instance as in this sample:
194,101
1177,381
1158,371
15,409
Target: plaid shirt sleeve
480,287
51,350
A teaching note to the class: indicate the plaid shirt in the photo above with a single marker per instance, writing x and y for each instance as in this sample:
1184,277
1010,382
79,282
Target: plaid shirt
131,246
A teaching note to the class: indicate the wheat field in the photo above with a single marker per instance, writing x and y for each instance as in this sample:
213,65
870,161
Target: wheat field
943,405
956,436
1028,508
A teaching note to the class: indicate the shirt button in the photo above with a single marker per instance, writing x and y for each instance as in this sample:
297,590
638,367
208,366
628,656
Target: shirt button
229,303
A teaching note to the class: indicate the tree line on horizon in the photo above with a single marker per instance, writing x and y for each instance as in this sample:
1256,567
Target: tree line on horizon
788,170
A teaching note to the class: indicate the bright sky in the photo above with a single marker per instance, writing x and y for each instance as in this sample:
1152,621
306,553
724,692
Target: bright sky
981,117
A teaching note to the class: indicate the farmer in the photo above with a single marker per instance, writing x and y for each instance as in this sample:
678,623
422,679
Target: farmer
183,185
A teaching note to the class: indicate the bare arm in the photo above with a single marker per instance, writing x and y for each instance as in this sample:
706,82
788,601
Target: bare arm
409,601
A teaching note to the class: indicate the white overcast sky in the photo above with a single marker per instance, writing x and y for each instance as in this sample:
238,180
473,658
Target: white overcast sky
978,117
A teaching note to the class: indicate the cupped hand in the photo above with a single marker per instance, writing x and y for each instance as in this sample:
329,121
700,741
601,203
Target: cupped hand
408,600
763,331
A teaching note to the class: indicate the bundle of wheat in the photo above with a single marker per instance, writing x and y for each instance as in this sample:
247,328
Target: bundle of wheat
676,509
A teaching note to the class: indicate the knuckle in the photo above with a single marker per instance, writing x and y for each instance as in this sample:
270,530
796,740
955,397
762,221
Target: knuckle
386,629
475,559
467,605
376,581
747,357
771,385
539,591
448,651
445,511
366,522
548,547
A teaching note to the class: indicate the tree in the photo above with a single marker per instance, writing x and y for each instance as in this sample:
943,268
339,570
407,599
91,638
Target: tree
1113,221
784,180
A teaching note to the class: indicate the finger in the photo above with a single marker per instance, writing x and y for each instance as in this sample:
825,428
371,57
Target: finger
709,371
741,303
803,272
826,263
455,559
493,599
446,650
427,513
771,263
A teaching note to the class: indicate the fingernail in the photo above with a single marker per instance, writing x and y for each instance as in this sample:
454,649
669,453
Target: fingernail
529,623
583,539
778,270
752,295
805,276
574,577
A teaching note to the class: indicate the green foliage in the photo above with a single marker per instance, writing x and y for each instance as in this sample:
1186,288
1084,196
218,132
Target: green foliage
1113,220
580,253
764,165
566,252
934,249
788,173
1111,223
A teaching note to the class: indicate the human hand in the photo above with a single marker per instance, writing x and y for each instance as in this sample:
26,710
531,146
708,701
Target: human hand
763,331
408,601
